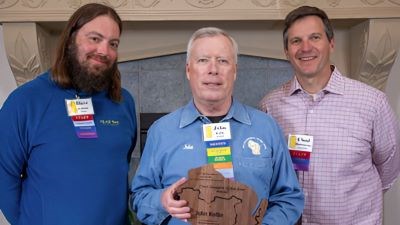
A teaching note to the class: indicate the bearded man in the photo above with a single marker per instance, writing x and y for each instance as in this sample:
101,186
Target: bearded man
66,137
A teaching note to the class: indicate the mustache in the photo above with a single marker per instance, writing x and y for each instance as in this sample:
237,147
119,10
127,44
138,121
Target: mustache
99,57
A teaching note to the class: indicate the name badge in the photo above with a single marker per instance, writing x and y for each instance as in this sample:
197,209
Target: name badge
217,139
79,107
300,148
81,112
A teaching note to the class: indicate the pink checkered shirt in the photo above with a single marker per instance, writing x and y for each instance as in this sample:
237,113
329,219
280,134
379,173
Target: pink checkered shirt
355,155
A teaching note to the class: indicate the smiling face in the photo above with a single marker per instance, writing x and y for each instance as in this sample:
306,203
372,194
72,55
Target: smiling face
93,54
97,44
309,48
211,71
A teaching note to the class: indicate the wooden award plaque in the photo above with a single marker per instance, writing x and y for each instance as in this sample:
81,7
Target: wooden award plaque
215,200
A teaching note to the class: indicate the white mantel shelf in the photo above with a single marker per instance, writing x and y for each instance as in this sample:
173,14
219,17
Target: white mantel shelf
184,10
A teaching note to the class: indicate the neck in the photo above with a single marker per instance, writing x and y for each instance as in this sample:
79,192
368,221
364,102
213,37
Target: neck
314,84
213,108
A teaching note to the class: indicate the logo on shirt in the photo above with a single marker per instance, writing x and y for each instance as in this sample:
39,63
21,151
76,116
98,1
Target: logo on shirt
254,145
188,147
109,122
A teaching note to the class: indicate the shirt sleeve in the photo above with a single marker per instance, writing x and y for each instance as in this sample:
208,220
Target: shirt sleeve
147,187
286,199
13,157
385,143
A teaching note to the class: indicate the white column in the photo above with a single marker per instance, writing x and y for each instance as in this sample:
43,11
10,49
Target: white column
7,81
392,197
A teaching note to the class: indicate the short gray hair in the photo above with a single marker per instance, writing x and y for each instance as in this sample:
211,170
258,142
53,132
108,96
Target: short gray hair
211,32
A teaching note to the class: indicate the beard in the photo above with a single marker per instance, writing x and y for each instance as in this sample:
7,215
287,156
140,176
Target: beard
87,78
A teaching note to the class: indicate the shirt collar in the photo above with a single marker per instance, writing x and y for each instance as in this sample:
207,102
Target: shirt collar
237,112
335,84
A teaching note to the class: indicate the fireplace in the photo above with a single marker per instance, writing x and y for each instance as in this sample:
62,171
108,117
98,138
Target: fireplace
146,119
159,85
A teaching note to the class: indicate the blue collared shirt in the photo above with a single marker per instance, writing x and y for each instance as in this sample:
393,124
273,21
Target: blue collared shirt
174,146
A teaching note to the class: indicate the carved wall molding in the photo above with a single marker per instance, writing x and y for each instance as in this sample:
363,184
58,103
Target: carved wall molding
397,2
372,2
205,4
264,3
23,62
295,3
22,51
378,45
146,3
333,3
150,10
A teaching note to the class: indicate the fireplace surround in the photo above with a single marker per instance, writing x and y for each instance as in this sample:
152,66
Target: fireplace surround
155,33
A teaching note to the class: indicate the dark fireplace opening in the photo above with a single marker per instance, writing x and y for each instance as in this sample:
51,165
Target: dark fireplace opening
146,119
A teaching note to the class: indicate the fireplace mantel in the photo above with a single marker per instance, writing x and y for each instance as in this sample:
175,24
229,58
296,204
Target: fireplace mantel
366,41
178,10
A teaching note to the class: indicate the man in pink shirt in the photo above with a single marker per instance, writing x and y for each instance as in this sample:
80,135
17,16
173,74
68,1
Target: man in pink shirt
342,134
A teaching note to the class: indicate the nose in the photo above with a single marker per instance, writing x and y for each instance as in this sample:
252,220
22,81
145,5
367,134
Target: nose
103,48
306,46
213,67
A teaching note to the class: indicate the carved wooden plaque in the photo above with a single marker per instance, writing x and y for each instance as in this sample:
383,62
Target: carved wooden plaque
215,200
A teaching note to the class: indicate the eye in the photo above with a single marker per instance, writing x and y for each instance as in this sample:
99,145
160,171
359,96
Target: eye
94,39
114,44
295,41
223,61
315,37
202,60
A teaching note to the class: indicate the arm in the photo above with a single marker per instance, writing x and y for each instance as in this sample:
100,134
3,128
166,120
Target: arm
286,200
175,207
386,144
12,159
152,201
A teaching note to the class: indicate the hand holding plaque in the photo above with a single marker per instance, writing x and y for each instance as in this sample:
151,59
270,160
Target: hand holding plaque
215,200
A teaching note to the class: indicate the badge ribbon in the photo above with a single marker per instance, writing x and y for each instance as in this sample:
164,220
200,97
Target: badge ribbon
300,148
217,137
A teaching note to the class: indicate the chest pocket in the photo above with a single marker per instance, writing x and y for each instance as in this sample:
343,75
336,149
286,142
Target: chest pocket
255,161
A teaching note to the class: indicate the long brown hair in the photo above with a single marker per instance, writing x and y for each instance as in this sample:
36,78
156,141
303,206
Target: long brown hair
83,15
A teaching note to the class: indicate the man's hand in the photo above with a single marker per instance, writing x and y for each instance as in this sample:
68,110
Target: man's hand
170,201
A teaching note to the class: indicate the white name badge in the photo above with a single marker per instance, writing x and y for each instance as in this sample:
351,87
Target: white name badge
77,107
216,131
300,142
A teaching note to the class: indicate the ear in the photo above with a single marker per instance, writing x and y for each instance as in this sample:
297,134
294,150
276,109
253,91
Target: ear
234,75
286,54
187,71
332,45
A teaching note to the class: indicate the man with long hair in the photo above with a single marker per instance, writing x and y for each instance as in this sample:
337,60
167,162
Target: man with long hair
67,136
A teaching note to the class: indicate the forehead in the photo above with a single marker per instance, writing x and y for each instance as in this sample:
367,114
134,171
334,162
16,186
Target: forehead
215,44
103,24
306,25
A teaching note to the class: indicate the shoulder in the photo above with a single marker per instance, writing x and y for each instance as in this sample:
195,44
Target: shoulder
168,121
259,117
127,97
38,88
274,96
362,91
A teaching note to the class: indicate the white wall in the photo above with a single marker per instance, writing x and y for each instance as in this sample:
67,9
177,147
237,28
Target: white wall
7,81
392,197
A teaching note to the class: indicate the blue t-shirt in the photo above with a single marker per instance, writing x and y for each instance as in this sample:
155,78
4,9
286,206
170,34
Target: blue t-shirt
67,180
174,146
